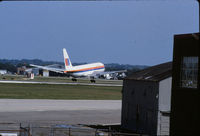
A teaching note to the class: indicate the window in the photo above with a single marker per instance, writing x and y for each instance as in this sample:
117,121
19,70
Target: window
189,72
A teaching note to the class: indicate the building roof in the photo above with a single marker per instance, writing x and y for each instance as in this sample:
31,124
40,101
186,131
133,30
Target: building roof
154,73
191,35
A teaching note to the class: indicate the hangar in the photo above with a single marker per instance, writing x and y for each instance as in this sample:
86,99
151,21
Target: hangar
146,100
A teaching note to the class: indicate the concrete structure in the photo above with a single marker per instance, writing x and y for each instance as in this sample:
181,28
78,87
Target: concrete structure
2,72
185,104
146,100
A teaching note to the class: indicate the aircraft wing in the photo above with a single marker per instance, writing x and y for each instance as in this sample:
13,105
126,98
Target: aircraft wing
48,68
107,72
112,72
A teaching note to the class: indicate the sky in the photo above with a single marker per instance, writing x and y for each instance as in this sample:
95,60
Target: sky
124,32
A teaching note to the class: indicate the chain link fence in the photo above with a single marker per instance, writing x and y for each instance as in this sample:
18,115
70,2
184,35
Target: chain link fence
56,130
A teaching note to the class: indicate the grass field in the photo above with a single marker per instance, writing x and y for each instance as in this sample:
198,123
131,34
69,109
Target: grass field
44,91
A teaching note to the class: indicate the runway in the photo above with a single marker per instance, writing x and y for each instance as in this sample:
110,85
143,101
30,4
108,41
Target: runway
26,105
60,111
56,83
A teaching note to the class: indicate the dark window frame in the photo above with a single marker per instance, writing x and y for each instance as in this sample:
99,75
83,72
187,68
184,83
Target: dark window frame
189,72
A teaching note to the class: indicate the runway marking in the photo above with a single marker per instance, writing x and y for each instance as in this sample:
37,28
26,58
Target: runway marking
57,83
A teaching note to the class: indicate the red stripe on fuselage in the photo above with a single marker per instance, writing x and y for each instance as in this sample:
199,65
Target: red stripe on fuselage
84,69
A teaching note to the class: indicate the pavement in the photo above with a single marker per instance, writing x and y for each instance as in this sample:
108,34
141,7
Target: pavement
53,83
60,111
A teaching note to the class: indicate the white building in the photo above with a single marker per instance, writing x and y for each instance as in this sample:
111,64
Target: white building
2,72
146,100
45,73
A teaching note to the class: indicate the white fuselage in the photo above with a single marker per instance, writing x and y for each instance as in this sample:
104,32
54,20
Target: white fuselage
86,70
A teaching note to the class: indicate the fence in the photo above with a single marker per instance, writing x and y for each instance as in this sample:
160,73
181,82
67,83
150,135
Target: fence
58,130
54,131
14,129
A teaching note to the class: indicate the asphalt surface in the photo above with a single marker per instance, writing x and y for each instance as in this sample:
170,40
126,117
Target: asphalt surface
60,111
75,83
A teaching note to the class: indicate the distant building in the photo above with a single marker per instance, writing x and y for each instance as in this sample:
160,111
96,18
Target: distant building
21,70
45,73
2,71
185,105
146,100
35,71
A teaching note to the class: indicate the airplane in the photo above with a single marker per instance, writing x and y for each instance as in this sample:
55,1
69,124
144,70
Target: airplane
91,70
